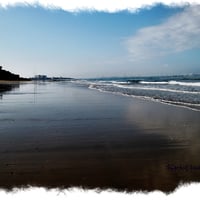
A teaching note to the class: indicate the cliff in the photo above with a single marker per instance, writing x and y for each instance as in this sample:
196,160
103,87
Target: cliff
8,76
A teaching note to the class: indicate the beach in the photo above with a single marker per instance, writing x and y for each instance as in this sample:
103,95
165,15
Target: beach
58,134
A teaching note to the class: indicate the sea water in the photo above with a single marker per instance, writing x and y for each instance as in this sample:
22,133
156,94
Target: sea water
177,90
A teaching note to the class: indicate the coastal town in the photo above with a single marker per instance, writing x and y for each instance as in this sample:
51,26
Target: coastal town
9,76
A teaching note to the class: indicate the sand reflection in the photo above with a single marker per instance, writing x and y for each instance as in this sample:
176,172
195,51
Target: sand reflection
73,136
172,136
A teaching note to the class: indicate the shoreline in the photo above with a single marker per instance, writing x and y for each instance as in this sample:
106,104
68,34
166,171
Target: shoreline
176,104
13,81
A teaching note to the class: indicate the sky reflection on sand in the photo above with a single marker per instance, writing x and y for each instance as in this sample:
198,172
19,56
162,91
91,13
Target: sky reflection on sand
59,134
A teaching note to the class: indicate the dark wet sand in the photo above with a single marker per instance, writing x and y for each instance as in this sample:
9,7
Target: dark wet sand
59,135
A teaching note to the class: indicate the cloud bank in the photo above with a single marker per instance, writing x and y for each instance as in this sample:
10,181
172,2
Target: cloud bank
178,33
103,5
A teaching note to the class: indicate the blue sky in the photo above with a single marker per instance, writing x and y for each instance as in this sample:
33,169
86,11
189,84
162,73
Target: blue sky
152,41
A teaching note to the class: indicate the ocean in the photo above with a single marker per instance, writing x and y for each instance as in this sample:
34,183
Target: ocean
176,90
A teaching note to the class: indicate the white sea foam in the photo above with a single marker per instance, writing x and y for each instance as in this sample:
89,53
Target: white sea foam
171,83
153,82
111,82
110,87
190,106
184,83
118,82
156,89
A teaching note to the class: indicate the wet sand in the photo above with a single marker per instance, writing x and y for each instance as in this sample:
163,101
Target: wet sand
61,135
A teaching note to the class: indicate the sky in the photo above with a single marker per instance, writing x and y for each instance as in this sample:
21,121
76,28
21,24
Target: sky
87,42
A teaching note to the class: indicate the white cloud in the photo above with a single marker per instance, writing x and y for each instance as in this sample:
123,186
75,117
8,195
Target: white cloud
178,33
99,5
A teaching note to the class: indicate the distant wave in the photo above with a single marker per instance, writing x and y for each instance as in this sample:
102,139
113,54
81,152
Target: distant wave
172,83
174,90
192,106
158,89
185,83
133,81
112,82
154,82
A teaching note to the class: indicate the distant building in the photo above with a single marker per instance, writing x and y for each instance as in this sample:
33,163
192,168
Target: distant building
41,77
46,78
